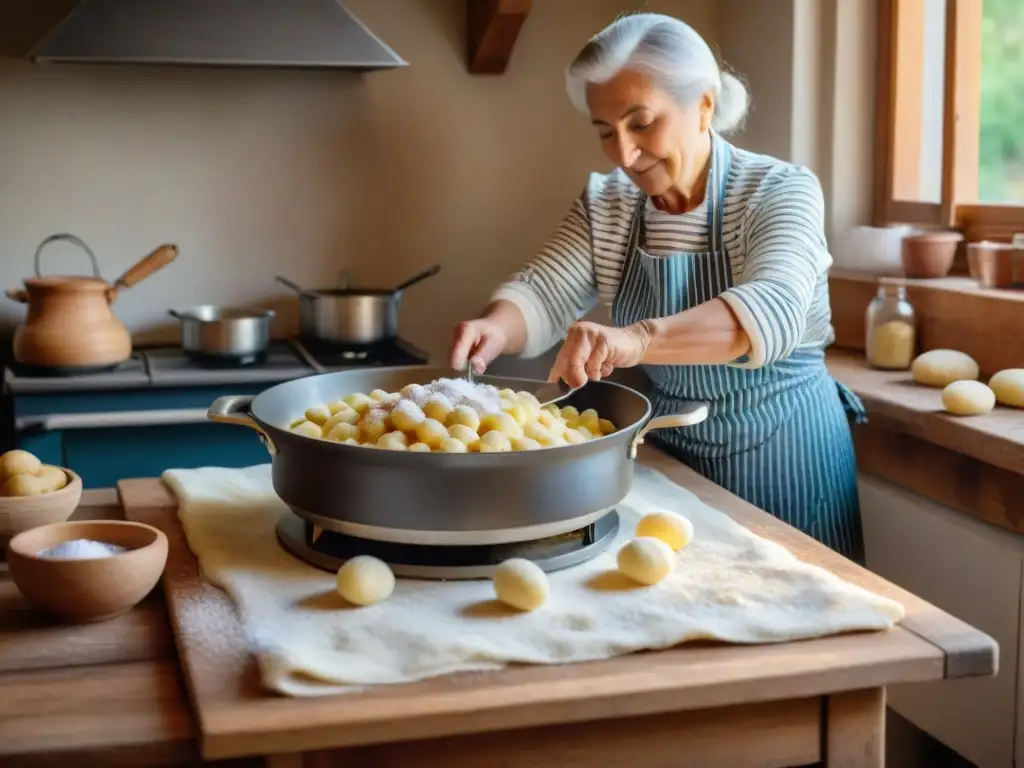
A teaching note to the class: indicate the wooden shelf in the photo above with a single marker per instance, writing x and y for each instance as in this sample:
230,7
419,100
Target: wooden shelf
952,313
492,28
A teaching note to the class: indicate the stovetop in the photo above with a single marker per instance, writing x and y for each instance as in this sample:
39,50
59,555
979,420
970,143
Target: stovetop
169,366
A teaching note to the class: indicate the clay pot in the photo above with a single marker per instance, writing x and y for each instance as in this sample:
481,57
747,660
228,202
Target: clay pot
929,255
70,324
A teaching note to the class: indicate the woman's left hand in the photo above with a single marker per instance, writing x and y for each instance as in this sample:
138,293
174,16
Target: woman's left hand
592,351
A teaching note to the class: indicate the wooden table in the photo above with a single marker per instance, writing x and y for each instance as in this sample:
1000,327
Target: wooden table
791,704
103,694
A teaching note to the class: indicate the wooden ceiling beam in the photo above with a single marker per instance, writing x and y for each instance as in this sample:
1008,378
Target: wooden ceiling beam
492,27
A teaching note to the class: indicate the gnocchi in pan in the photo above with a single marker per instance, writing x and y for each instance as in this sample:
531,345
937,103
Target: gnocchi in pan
450,416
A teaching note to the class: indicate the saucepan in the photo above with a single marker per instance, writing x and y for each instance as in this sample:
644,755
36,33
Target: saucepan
358,316
224,334
446,498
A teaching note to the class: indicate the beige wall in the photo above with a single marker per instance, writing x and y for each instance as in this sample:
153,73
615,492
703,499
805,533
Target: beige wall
258,173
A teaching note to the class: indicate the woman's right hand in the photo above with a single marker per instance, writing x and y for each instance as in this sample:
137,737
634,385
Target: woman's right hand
477,342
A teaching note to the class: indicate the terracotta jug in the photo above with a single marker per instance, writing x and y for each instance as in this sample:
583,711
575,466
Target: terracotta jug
69,325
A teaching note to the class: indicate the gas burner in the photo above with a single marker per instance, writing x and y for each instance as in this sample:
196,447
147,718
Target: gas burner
226,361
329,549
393,352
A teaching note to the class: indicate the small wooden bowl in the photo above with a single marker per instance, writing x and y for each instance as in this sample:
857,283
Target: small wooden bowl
83,591
22,513
930,255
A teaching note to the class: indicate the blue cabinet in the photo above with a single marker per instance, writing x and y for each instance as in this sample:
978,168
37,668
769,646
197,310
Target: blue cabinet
103,453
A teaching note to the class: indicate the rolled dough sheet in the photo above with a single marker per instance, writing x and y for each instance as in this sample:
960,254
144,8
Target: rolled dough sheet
729,585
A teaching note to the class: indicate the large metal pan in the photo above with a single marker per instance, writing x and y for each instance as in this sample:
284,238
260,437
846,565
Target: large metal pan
437,498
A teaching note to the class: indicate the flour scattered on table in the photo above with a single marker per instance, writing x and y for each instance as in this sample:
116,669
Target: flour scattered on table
82,549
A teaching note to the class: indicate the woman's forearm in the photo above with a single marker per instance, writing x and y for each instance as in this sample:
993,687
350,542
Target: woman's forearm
507,315
708,334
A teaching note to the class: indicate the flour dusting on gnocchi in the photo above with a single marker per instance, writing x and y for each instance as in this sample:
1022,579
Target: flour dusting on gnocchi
450,416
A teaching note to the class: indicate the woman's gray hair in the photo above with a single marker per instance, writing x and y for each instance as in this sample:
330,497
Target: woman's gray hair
668,50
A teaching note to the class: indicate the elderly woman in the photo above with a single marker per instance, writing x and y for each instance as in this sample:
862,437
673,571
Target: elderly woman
714,262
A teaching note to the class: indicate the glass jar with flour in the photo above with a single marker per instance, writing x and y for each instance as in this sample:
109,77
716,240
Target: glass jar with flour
891,337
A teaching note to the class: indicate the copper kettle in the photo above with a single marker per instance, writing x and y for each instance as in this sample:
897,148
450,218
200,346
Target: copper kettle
69,323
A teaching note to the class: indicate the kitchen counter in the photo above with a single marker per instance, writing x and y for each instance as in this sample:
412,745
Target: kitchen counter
112,694
974,464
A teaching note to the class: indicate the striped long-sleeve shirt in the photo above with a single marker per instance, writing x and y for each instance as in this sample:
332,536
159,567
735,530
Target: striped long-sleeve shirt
773,231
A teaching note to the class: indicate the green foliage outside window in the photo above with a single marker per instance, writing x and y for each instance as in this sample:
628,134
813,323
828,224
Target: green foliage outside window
1001,176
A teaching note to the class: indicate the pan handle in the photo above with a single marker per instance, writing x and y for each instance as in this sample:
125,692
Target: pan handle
234,409
692,413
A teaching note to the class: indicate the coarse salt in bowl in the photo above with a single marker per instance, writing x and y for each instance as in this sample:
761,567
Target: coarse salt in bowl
64,570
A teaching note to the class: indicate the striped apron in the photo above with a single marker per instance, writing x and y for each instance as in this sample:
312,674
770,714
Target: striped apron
776,436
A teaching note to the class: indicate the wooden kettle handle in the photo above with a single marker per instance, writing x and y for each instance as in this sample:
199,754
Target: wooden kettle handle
156,261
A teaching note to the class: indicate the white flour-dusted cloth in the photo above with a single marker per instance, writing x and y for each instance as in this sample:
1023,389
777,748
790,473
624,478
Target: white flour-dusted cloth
729,585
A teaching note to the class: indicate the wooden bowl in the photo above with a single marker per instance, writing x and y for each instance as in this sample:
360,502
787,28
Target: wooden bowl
930,254
22,513
82,591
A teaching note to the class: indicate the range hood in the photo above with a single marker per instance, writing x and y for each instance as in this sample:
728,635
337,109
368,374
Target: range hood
307,34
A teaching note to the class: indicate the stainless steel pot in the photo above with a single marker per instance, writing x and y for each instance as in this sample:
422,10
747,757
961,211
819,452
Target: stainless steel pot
358,316
446,499
222,333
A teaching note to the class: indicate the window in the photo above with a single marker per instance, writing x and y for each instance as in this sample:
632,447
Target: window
950,122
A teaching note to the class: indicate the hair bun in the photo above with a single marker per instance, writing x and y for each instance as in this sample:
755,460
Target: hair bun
731,105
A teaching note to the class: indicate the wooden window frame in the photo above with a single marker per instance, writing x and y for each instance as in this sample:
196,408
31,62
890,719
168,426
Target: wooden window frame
898,124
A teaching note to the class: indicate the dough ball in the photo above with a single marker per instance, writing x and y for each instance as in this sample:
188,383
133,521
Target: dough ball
606,426
524,444
530,402
365,580
360,402
463,414
548,419
575,436
590,420
419,448
452,445
1008,386
468,436
18,462
968,398
675,530
438,408
318,414
341,432
413,391
337,405
308,429
23,485
346,416
393,441
500,422
406,415
570,415
551,438
494,442
431,432
941,367
380,396
521,584
518,413
646,560
371,428
52,478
